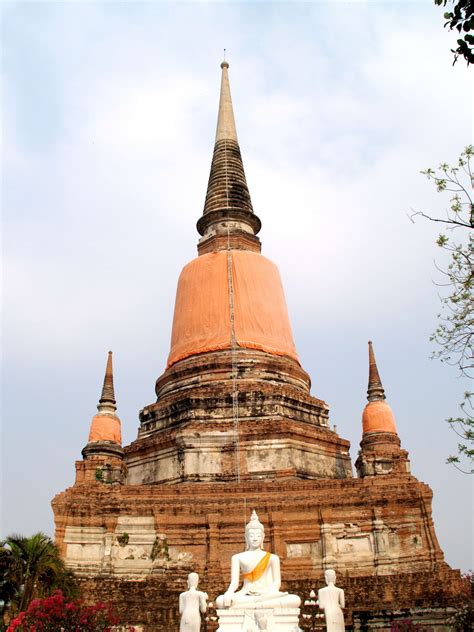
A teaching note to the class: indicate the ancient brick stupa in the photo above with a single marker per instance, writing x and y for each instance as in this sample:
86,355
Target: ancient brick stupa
234,427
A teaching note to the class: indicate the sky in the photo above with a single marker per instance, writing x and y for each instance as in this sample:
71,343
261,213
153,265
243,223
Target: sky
108,123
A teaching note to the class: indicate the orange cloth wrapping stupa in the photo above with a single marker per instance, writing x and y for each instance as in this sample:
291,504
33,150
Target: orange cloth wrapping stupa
202,316
378,417
105,428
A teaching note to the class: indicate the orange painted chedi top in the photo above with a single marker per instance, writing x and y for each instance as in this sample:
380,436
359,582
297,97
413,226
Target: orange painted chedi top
106,426
377,415
217,285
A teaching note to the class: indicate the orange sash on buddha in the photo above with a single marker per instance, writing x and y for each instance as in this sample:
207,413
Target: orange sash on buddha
258,571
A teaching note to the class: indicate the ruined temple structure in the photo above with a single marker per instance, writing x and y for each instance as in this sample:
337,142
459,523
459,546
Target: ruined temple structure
235,427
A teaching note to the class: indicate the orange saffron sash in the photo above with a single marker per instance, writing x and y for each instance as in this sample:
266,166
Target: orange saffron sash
258,571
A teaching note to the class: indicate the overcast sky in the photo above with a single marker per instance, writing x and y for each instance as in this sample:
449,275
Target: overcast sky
108,117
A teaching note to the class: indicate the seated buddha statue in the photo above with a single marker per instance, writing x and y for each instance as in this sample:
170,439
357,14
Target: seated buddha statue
260,573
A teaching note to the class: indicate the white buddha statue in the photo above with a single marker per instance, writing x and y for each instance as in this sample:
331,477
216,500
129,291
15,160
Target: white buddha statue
331,600
192,603
261,575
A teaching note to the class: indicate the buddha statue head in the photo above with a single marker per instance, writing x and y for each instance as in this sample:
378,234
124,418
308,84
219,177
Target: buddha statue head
254,532
193,580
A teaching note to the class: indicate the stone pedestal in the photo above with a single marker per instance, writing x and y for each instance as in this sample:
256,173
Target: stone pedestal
253,620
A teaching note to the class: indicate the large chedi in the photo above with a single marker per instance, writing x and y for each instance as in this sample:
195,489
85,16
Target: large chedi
234,400
233,427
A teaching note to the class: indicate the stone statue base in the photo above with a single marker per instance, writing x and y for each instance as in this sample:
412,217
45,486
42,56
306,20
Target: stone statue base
258,620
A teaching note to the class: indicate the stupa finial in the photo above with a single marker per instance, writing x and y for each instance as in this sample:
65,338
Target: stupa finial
107,401
225,121
228,221
375,390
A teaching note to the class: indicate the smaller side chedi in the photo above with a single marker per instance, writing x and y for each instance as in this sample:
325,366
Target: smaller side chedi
259,604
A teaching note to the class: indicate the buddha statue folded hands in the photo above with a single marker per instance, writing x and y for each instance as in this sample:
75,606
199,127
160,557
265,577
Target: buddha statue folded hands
260,573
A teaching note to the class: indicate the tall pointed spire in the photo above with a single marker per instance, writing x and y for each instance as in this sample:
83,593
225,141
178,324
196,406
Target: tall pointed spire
375,390
107,401
228,220
225,120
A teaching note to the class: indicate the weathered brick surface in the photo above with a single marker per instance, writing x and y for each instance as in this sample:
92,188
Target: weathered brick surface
152,603
206,521
281,426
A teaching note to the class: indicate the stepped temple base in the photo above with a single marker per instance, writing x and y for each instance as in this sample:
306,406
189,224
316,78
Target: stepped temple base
377,533
247,620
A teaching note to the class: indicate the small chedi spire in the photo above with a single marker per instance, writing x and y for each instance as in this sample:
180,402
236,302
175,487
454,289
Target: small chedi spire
106,426
107,401
103,454
377,415
228,220
375,390
380,446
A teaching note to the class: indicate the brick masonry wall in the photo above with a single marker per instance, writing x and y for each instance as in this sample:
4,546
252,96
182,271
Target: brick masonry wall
153,603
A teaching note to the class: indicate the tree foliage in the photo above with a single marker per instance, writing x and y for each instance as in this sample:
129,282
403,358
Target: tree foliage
461,18
454,334
31,567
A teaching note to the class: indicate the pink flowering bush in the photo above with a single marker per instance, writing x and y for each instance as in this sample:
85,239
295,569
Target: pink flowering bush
57,614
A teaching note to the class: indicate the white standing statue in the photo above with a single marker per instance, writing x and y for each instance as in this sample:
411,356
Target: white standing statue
331,600
261,576
191,604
